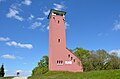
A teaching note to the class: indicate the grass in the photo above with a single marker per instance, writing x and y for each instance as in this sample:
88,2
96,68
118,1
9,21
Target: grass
104,74
6,77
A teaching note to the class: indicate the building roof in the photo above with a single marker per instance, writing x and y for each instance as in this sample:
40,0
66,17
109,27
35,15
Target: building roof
56,12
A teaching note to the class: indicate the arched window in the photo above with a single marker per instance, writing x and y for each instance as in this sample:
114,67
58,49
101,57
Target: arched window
74,60
61,62
58,21
58,40
57,61
71,58
69,55
53,17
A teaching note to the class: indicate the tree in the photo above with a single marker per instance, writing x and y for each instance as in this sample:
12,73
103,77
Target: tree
42,66
2,73
97,60
83,55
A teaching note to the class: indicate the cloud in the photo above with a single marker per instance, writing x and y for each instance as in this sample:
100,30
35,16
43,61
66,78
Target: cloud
2,0
13,13
99,34
35,25
46,12
102,34
116,51
23,72
58,6
27,2
18,71
66,25
8,56
31,17
116,25
41,19
48,27
13,43
4,39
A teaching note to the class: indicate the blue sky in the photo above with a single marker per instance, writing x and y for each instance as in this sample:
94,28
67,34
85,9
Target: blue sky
90,24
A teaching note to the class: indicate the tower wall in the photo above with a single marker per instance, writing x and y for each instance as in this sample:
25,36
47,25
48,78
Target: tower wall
60,58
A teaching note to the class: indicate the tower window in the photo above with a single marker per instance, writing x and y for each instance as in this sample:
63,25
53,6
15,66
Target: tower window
58,21
61,62
71,58
57,61
74,60
69,55
58,40
53,17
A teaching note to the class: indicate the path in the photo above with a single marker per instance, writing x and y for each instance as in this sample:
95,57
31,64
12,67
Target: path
19,78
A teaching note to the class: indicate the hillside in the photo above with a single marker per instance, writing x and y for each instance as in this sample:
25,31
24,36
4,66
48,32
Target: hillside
103,74
7,77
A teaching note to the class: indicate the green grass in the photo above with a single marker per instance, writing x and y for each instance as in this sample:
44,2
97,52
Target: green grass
104,74
6,77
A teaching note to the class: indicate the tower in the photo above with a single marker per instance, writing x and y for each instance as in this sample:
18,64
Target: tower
60,58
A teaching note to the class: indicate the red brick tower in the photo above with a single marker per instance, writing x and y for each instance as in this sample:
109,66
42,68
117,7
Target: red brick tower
60,58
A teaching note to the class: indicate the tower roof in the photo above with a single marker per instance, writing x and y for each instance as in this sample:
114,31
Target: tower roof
56,12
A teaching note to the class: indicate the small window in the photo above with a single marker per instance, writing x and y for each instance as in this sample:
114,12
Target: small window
74,60
58,21
53,17
57,61
69,55
58,40
61,62
71,58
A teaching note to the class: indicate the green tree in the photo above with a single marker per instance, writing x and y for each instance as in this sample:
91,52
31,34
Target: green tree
97,60
2,73
83,55
42,66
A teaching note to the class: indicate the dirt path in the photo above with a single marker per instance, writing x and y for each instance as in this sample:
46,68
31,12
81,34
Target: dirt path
19,78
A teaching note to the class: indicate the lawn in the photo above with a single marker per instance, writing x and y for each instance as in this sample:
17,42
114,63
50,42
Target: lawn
104,74
6,77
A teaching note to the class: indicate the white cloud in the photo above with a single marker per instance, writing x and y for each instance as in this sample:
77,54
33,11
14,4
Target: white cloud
24,63
6,70
27,2
116,25
46,12
99,34
66,25
58,6
23,72
31,17
18,71
13,13
41,19
13,43
8,56
48,27
4,39
102,34
35,25
116,51
2,0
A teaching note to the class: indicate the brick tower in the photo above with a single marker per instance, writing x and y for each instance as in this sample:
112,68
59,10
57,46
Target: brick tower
60,58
